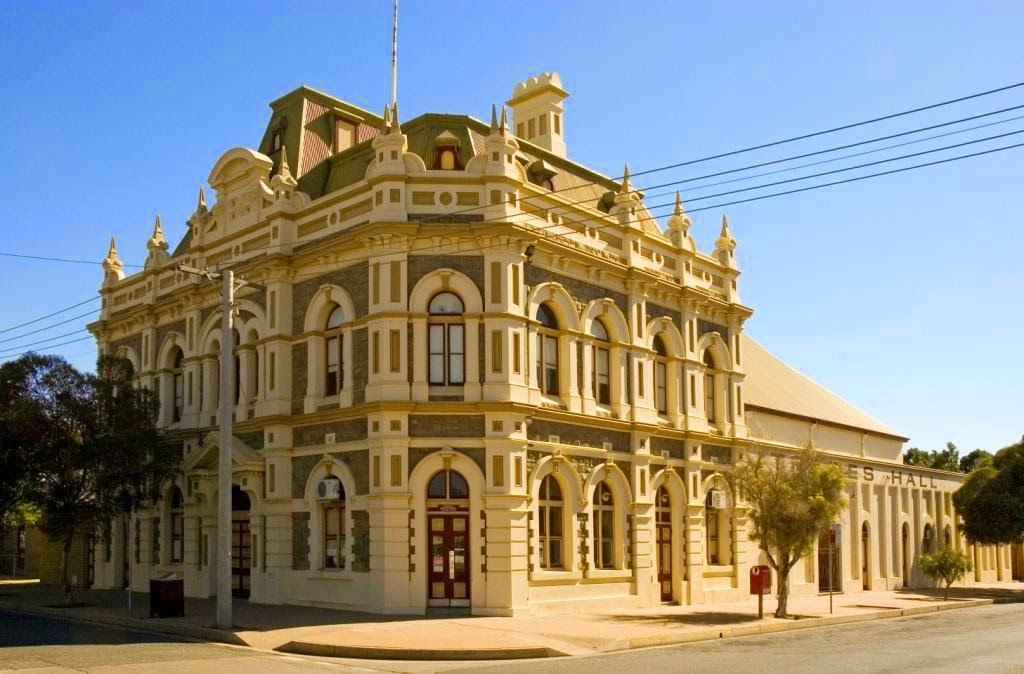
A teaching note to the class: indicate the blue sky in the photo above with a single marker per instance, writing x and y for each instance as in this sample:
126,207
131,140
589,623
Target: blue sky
902,294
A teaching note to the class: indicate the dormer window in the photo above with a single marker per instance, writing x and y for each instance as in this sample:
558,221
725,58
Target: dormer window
541,173
446,152
344,134
275,142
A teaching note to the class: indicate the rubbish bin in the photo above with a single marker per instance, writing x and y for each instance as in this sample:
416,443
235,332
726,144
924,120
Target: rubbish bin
167,597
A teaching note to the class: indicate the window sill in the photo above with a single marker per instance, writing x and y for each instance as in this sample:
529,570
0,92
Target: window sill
553,575
329,574
719,570
610,575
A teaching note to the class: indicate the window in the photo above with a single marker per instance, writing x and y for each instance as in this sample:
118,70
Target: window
604,527
549,511
275,142
334,531
236,373
602,382
547,350
334,359
448,485
711,526
660,376
344,134
446,340
709,386
177,527
447,160
156,540
179,384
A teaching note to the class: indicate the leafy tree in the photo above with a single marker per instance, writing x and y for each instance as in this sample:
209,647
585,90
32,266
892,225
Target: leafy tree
991,500
946,459
973,460
101,454
21,427
946,566
790,499
917,457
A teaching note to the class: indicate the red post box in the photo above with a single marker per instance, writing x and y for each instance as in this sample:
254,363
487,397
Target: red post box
761,579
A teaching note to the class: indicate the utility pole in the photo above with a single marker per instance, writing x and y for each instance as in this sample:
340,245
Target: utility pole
225,414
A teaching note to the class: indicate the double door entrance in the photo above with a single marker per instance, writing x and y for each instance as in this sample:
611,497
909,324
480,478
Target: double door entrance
241,558
448,570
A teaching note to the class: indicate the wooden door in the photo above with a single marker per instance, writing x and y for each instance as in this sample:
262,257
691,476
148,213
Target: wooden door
663,543
241,558
448,565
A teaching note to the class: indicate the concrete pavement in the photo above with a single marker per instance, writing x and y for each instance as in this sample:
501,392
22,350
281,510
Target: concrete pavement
322,632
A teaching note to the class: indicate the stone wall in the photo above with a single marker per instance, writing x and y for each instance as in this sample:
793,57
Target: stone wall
354,279
579,290
300,541
360,541
569,434
421,265
446,426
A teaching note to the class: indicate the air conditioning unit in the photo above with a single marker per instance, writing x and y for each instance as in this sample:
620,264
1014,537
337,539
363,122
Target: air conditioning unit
554,439
716,499
329,438
328,490
607,446
665,453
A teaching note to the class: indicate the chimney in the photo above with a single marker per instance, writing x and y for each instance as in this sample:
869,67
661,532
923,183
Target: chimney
538,113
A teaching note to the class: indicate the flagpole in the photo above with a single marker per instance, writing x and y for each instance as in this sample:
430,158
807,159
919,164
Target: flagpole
394,54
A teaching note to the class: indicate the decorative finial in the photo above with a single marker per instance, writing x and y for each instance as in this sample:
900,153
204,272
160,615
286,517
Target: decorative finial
678,210
494,118
725,227
113,268
201,207
725,244
284,170
395,127
387,119
504,120
157,241
626,187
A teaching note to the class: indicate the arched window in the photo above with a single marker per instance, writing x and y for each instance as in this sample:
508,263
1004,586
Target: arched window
604,527
602,381
716,526
709,386
448,485
547,350
711,529
447,160
334,530
177,526
928,545
179,384
660,376
334,361
446,337
236,339
549,516
947,536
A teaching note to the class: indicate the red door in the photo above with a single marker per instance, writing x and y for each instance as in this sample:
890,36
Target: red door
448,566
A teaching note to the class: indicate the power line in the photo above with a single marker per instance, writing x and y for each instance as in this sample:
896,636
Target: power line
48,327
52,346
61,259
42,341
43,318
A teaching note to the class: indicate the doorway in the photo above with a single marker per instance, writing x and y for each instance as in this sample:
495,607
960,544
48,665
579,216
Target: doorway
90,560
663,541
448,578
241,544
865,557
829,558
905,539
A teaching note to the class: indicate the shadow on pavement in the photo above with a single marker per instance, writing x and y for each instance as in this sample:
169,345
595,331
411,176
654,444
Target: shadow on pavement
29,630
710,618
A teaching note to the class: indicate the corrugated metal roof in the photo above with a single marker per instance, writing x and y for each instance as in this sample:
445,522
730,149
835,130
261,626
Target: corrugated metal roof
772,384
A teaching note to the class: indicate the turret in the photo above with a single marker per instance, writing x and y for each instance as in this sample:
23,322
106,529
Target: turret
679,224
538,112
113,268
157,246
725,246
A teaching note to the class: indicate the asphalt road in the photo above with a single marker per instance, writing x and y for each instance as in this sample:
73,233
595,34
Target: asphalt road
29,643
979,641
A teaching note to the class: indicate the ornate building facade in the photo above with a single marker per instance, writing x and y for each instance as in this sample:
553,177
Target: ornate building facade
476,373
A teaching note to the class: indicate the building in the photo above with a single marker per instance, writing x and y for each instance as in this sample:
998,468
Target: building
477,374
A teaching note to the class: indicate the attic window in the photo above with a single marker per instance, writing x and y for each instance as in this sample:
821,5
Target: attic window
542,174
344,134
446,152
275,142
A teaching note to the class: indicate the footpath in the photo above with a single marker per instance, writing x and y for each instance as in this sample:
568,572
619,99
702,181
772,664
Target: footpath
448,637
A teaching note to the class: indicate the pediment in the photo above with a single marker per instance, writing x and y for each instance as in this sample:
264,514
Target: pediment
207,455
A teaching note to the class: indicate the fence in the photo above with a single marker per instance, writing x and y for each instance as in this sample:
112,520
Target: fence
12,564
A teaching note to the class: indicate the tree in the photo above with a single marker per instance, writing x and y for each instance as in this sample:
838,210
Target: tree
946,459
991,500
917,457
21,427
947,566
790,500
974,460
101,454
